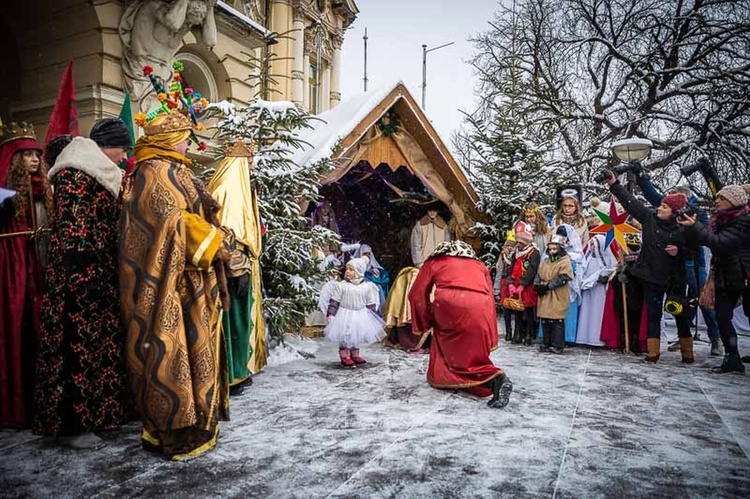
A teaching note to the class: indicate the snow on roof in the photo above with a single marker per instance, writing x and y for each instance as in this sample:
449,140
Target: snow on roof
337,123
242,17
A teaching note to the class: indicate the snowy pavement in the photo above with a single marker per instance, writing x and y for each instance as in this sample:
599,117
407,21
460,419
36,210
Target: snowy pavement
590,423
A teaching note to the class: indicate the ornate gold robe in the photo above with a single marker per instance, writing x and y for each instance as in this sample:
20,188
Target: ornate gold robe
170,305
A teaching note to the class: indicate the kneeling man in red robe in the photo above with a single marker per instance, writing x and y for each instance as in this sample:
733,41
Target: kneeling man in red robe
461,313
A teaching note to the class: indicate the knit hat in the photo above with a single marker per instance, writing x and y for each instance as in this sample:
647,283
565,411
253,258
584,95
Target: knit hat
523,233
559,239
54,148
735,194
111,132
676,201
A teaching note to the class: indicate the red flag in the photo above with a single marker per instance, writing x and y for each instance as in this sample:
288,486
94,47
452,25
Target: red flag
64,117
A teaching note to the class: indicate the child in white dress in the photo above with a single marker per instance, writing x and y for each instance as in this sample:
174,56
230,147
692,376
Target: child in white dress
352,317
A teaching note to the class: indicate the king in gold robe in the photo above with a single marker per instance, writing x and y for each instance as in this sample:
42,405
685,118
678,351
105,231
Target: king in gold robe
170,297
244,328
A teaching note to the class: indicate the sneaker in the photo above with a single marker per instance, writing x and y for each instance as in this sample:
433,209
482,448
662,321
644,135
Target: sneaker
87,441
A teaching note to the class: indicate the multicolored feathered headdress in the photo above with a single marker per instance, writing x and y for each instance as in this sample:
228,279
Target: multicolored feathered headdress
181,105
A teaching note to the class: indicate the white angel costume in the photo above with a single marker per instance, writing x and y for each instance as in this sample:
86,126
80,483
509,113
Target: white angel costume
353,324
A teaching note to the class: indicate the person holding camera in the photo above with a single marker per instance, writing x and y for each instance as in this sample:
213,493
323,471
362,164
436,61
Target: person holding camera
660,267
728,237
695,270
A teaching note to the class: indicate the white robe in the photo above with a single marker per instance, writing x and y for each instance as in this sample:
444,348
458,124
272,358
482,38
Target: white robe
593,294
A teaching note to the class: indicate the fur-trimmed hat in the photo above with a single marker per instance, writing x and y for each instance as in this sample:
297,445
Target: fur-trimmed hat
735,194
676,201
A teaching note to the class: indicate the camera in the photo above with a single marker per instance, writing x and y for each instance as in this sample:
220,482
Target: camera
633,167
686,211
701,165
704,166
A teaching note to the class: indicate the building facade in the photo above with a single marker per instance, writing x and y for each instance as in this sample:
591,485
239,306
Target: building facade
107,39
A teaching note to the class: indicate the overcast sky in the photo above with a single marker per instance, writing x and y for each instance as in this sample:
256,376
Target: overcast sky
396,31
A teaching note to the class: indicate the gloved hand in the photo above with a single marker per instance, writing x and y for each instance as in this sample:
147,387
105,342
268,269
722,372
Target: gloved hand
519,290
603,279
512,290
243,285
541,289
671,249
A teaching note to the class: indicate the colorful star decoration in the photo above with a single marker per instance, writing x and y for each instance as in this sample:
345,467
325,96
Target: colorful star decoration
613,226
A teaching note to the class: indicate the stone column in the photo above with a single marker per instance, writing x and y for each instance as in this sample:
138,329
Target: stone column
298,65
335,94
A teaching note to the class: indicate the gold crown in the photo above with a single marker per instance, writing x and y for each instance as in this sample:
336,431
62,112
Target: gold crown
239,150
15,131
167,123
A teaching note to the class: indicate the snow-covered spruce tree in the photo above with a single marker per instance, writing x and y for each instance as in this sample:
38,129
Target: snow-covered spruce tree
288,266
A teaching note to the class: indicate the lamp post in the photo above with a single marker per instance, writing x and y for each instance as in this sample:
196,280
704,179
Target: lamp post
424,69
631,151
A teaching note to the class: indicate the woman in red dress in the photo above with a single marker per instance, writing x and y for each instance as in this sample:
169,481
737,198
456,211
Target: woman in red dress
463,320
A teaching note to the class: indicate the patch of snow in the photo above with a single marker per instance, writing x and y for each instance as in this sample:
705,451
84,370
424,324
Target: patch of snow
294,348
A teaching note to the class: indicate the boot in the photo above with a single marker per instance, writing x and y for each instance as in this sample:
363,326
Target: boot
653,344
501,390
686,349
732,364
530,332
356,358
508,331
517,338
716,349
344,355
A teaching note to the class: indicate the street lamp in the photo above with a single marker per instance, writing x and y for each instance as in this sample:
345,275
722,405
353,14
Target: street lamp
424,69
630,151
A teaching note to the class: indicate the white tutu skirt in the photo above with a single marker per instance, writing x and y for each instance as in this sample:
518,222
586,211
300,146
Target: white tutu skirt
353,328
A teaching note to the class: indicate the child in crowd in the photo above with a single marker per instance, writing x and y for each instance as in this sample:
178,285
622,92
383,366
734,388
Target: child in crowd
503,268
534,218
351,315
551,284
521,282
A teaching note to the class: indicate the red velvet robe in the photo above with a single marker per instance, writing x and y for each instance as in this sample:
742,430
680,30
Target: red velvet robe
20,312
463,321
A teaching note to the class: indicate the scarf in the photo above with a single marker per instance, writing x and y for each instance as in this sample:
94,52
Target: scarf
720,218
575,219
161,146
454,248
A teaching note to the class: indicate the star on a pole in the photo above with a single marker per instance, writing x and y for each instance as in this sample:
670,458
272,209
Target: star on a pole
614,226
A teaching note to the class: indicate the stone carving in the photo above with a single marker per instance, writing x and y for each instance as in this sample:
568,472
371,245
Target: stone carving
152,31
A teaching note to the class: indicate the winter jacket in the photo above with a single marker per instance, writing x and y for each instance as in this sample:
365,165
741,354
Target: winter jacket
654,197
730,251
556,273
523,272
655,266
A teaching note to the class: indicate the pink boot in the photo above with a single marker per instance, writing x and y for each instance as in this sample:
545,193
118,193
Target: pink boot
346,360
356,358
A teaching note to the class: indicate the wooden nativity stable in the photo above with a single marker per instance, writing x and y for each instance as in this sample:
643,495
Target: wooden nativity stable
390,164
